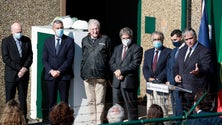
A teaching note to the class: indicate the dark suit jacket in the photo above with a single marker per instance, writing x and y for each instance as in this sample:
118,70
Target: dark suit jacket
215,120
171,64
160,73
13,62
129,66
63,61
169,68
203,57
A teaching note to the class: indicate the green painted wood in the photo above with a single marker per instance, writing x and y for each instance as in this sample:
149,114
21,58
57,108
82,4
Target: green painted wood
150,24
183,14
41,101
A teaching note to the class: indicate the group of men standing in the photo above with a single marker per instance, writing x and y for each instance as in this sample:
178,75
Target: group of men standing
187,66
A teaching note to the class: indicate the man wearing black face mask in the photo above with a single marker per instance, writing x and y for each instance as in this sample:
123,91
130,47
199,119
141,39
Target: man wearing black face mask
176,38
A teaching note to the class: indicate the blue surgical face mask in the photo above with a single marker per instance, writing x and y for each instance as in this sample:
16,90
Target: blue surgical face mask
59,32
18,35
157,44
176,43
126,42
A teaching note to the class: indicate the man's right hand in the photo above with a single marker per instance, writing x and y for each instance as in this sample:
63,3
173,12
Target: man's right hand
178,78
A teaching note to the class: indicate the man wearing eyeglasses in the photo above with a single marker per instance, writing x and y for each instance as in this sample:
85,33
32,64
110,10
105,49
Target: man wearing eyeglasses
193,67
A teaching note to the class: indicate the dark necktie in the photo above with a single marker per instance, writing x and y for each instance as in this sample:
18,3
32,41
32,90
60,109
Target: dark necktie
124,52
57,46
187,57
155,61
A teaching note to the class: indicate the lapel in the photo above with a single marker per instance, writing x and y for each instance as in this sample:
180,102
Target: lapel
52,45
119,54
183,54
173,54
150,61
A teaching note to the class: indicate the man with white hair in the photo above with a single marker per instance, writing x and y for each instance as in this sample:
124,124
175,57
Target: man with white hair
115,114
96,52
18,56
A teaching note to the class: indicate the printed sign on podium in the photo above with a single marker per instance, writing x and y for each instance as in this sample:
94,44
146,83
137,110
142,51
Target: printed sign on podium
160,87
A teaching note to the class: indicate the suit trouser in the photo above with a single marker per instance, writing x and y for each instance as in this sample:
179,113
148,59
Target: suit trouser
95,92
53,87
176,99
22,87
127,97
158,98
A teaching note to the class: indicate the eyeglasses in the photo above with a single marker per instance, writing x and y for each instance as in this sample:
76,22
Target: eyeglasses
189,38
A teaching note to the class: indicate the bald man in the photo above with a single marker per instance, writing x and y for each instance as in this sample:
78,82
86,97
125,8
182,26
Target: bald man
18,56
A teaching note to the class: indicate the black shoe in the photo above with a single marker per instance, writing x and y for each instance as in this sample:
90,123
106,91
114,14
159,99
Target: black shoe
46,122
27,120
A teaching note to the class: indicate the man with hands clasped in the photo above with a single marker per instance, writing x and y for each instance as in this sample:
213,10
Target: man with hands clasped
124,64
18,56
58,56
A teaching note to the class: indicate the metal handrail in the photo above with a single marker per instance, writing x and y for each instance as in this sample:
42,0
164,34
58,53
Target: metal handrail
185,116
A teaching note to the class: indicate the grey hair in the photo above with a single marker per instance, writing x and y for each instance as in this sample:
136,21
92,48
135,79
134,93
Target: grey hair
57,22
189,30
93,22
115,116
126,30
158,33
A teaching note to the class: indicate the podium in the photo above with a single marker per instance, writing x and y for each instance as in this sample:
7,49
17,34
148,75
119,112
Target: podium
77,96
162,87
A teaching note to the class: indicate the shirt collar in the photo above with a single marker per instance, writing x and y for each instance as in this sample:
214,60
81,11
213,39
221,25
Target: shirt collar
182,45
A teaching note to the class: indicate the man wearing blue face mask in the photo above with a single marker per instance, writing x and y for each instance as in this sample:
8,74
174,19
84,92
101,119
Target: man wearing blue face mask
18,56
154,69
176,38
58,56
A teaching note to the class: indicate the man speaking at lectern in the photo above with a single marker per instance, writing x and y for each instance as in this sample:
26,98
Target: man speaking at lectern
193,67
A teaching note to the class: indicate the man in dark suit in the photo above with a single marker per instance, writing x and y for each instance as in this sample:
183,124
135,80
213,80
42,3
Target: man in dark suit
124,64
58,57
193,67
176,99
17,56
154,69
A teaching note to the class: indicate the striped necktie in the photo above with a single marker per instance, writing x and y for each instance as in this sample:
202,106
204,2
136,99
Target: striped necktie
19,46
